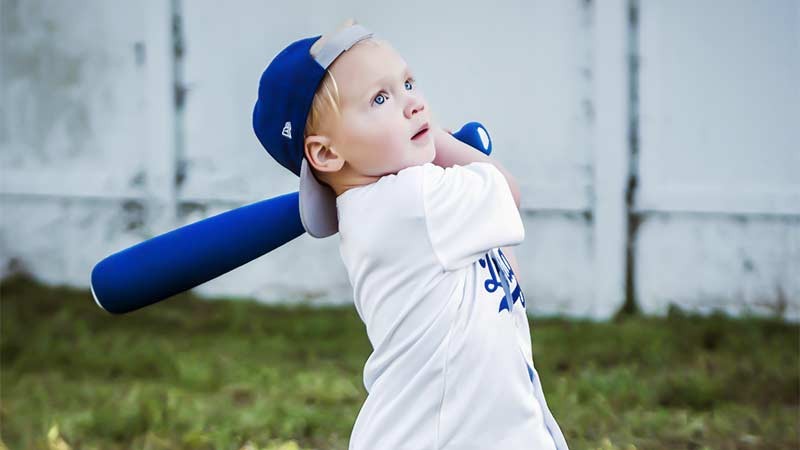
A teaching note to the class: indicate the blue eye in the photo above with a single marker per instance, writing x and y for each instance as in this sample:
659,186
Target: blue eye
408,83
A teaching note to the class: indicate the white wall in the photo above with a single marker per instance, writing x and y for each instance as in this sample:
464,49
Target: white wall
719,159
85,132
91,138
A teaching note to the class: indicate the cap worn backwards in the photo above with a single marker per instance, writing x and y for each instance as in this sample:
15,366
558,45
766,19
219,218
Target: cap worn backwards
285,94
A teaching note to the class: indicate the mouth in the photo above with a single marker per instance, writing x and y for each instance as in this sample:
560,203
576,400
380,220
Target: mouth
422,132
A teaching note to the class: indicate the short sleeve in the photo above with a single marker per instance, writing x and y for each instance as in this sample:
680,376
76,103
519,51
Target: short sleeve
469,210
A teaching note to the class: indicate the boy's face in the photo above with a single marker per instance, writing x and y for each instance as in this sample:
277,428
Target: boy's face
382,108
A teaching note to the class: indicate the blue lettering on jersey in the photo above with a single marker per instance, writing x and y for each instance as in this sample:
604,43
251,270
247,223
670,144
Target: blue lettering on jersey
492,283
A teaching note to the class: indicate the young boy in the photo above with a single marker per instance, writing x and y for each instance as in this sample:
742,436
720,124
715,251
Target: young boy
422,219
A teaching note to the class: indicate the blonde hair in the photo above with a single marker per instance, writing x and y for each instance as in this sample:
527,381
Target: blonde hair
327,101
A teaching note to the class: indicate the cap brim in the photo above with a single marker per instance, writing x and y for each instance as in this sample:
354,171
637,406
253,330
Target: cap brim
317,205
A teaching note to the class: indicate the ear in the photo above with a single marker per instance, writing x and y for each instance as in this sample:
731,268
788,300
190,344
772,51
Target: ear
321,155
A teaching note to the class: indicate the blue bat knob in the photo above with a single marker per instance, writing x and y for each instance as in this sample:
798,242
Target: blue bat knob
475,135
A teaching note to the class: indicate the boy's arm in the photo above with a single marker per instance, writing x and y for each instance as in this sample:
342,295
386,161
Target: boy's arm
450,151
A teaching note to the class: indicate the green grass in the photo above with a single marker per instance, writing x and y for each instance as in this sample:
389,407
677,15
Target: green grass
194,374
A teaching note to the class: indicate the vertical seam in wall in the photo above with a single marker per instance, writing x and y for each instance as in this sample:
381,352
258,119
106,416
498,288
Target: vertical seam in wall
588,102
3,61
633,219
179,102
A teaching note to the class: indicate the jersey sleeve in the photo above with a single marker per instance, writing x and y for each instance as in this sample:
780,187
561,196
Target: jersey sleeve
469,210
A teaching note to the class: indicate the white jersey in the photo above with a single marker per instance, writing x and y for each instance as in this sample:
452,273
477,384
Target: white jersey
451,367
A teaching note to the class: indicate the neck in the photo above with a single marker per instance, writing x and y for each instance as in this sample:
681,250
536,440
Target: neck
346,179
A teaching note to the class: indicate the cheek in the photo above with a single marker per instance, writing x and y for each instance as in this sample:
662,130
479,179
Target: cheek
380,139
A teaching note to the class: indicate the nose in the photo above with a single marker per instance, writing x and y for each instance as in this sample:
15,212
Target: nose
415,104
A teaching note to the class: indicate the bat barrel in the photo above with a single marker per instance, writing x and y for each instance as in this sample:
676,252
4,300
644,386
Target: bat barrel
181,259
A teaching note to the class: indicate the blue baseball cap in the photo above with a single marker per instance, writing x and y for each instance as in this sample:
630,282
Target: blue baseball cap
285,93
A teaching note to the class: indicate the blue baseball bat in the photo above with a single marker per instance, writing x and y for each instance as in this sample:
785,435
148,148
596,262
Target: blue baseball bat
181,259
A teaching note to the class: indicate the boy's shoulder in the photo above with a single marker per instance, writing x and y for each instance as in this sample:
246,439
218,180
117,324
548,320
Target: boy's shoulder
409,185
430,172
401,183
414,174
401,190
381,211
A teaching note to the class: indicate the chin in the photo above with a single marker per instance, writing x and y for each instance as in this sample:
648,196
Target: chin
430,156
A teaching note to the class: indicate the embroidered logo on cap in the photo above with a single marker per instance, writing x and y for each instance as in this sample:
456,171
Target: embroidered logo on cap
287,130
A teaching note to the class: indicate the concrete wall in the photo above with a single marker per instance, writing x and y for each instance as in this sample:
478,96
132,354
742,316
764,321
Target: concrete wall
718,200
655,142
